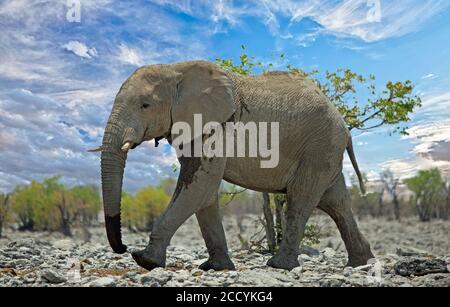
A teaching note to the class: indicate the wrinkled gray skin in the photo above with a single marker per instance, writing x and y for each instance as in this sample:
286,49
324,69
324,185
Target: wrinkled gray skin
313,139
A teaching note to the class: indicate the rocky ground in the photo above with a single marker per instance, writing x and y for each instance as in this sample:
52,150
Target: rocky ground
408,254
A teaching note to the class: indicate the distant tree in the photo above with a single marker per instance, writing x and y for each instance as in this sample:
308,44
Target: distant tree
140,212
427,187
130,214
4,211
28,202
447,198
88,203
365,205
168,185
391,184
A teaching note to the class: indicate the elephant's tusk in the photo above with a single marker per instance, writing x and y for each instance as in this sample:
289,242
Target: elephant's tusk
126,147
98,149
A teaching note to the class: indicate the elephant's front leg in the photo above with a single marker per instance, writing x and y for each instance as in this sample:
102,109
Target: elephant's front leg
199,180
210,224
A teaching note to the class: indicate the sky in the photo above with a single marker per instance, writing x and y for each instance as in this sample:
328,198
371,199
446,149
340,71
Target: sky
60,72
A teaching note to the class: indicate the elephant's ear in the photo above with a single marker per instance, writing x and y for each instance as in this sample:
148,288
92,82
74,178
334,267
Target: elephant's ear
203,89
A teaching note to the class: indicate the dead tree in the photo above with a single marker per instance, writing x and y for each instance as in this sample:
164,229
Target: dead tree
381,205
446,210
280,219
4,211
391,185
67,217
269,224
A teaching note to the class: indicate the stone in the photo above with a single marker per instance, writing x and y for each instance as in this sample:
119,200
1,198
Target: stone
329,253
18,263
22,243
297,272
65,244
405,251
158,275
52,277
420,267
309,251
348,271
197,272
103,282
364,268
331,283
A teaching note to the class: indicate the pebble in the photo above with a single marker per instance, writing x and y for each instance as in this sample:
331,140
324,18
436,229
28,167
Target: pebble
297,272
52,277
158,275
103,282
66,244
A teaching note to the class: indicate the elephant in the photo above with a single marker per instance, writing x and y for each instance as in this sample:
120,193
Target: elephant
313,138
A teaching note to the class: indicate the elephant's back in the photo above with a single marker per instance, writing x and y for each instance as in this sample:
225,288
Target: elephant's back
280,92
284,97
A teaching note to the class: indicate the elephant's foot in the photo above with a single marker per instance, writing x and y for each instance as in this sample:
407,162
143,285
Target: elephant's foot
144,259
360,260
218,264
280,261
359,254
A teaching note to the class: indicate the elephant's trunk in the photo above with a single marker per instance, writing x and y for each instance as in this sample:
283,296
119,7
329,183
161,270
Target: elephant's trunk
113,165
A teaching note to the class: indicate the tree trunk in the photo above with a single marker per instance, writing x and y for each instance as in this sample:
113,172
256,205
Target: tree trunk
270,228
65,228
396,208
279,219
381,205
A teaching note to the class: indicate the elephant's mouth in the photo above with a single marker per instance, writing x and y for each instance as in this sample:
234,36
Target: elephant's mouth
127,146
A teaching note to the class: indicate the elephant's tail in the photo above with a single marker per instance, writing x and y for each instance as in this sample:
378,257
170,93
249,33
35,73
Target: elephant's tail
351,154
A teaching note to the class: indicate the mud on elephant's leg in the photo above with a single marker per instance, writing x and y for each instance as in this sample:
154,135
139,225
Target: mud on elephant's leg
336,203
199,180
210,224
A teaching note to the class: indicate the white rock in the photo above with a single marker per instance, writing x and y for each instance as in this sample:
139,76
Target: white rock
411,251
297,272
66,244
329,252
103,282
52,277
157,275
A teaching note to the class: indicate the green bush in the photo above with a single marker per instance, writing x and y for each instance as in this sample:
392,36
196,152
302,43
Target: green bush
139,212
429,194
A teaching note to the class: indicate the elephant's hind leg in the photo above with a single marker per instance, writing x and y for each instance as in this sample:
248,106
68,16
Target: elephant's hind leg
336,203
303,196
212,231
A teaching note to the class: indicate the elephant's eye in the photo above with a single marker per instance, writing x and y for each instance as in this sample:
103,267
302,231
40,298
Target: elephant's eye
145,106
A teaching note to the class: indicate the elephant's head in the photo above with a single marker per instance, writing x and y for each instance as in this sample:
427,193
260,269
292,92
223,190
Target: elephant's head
145,108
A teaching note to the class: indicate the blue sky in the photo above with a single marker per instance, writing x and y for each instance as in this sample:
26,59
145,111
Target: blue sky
58,78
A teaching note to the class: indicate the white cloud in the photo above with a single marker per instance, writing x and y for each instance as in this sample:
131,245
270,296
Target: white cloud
429,76
339,17
130,56
80,49
431,140
436,105
431,150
